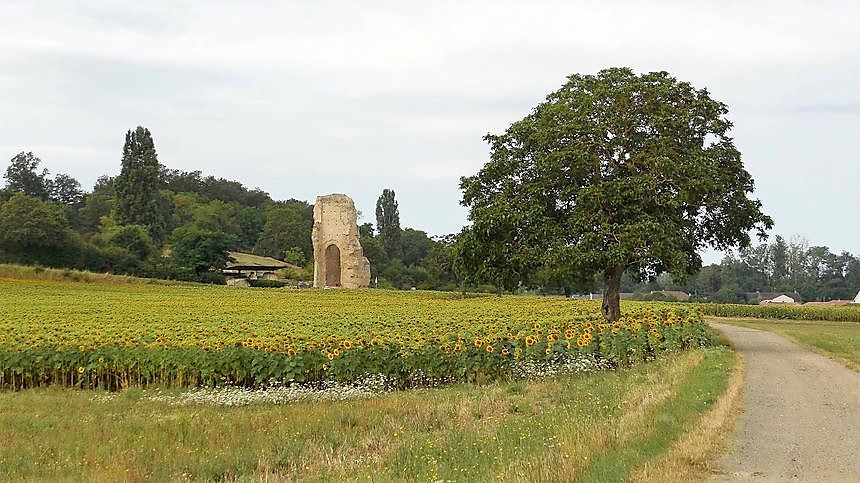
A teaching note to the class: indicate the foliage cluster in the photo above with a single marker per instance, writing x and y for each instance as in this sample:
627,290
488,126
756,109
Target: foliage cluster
112,336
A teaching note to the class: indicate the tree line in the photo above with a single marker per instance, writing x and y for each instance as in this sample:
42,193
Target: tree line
615,183
153,221
793,266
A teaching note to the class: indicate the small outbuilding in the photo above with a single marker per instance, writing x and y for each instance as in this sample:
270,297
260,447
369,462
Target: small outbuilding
773,298
857,298
254,267
780,299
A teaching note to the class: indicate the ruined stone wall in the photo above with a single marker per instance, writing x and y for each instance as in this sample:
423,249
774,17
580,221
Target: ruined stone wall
335,225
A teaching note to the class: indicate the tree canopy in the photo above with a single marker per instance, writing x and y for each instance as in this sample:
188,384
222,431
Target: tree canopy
614,172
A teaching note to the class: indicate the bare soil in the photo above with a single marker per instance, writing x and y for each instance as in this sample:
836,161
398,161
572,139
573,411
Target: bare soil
800,417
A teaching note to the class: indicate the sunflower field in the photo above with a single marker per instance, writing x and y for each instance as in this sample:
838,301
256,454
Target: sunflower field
98,335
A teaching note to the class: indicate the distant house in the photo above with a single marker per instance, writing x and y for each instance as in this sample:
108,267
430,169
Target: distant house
773,298
246,265
857,298
780,299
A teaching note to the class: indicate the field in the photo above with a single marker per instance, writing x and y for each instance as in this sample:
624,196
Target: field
850,313
129,381
840,340
97,335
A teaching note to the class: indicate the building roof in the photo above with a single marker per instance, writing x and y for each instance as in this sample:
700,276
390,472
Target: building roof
780,299
759,297
248,261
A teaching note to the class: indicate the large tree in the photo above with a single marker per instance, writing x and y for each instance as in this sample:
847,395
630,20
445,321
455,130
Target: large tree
388,222
288,225
66,190
197,251
23,176
137,186
31,229
614,172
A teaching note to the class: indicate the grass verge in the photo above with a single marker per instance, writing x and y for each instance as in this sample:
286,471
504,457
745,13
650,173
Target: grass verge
837,340
596,427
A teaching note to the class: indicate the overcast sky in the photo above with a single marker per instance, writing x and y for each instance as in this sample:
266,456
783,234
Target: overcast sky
309,98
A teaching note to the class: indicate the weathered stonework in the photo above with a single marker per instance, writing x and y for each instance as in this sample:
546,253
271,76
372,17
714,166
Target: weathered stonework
339,260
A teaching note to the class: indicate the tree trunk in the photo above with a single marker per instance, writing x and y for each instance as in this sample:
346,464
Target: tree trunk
611,306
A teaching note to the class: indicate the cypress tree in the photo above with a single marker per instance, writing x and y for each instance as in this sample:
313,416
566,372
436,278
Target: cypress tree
137,184
388,223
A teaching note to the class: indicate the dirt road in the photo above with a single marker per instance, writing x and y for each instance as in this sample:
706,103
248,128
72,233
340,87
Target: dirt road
800,416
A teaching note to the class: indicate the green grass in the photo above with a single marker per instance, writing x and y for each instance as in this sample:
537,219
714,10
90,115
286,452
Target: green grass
838,339
596,427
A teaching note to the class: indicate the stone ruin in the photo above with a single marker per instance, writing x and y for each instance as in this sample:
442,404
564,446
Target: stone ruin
339,260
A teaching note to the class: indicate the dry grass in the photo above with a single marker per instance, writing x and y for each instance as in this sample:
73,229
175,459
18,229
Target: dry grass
558,429
690,457
22,272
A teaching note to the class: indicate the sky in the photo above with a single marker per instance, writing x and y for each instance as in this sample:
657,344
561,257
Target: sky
308,98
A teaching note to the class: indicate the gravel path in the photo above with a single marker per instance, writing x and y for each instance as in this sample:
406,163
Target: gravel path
800,417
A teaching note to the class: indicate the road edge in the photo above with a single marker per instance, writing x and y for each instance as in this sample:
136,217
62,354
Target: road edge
691,457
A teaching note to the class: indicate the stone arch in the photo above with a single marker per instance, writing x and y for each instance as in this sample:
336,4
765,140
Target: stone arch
332,266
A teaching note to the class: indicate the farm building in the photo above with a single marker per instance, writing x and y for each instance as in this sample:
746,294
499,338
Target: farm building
857,298
773,297
246,265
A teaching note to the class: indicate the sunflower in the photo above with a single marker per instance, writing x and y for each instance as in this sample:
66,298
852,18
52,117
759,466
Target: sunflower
81,370
531,340
489,348
583,340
